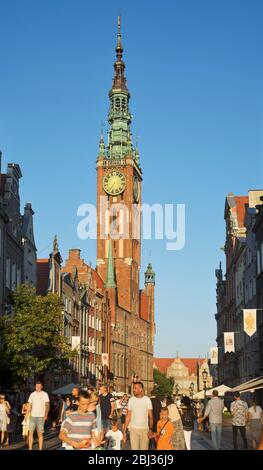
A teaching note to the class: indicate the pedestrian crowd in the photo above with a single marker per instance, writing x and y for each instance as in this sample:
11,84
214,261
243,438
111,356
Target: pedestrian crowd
91,419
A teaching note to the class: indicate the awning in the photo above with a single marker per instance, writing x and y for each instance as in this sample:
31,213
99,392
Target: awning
250,385
222,389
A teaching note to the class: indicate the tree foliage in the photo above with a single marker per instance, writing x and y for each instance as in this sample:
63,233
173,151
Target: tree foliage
31,337
164,385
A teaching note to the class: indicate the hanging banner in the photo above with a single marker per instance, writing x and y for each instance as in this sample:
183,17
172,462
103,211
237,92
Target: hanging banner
105,359
250,321
229,342
75,342
214,355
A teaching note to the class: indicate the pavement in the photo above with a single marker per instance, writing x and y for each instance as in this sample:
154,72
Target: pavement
51,442
200,440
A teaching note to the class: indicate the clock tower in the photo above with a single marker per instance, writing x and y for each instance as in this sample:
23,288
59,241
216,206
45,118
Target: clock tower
119,179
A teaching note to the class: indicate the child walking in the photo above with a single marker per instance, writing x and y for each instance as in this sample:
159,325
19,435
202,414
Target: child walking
114,436
165,431
25,423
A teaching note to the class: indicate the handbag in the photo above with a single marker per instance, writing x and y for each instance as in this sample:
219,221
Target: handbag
159,433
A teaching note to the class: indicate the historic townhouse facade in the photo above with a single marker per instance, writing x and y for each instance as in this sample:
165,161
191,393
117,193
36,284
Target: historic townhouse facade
86,314
258,231
17,245
239,290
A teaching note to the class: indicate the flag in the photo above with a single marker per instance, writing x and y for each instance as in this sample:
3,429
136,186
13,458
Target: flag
105,359
214,355
250,321
229,342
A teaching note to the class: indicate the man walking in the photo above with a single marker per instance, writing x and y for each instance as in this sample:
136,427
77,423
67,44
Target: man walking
214,411
239,411
107,408
140,418
39,408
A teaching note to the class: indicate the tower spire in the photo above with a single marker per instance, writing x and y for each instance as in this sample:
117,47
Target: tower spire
119,81
119,48
119,116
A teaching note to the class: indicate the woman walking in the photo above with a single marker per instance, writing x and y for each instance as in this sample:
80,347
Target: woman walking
4,418
255,415
188,418
178,440
25,423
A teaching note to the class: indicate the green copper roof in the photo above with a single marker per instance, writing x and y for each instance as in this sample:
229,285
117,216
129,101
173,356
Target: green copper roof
119,117
110,281
149,275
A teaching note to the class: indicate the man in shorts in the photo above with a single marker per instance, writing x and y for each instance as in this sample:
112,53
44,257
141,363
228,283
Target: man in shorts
39,408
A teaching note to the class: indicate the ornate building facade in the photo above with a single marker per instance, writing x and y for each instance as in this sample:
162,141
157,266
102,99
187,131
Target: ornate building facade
186,372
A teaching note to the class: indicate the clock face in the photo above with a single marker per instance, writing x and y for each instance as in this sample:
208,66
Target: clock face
114,183
136,189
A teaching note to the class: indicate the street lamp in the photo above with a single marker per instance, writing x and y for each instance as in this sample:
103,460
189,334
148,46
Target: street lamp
204,375
176,389
191,390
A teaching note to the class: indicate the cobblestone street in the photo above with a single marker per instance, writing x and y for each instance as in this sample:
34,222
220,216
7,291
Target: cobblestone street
200,440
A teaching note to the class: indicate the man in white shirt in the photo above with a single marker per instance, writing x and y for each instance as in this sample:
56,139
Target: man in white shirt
38,409
214,410
139,418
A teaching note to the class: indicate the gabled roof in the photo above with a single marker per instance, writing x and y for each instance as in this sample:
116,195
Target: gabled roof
97,278
241,202
163,363
237,206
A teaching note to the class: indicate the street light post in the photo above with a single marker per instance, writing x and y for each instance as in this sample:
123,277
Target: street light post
204,375
176,389
191,390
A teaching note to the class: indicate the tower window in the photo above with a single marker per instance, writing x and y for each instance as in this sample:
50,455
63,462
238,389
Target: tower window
117,104
123,104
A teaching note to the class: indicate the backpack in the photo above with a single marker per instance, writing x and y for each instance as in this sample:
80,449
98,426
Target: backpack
188,419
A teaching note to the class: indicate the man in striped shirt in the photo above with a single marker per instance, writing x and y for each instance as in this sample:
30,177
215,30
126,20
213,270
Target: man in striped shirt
78,429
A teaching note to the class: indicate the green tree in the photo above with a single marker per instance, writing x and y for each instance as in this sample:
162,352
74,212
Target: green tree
164,385
31,337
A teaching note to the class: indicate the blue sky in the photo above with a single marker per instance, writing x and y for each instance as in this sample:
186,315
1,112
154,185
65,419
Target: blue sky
194,70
